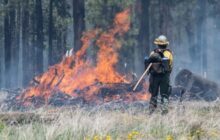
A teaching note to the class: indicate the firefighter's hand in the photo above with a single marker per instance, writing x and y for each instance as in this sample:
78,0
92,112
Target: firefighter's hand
146,62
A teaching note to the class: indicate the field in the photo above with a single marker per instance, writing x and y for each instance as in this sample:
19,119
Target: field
189,121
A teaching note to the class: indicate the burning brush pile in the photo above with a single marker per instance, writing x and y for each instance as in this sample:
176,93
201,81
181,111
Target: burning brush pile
76,79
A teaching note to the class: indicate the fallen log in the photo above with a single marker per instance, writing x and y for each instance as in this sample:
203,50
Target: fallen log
177,93
197,87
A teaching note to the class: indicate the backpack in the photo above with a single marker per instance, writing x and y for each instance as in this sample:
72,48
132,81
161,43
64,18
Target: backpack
166,63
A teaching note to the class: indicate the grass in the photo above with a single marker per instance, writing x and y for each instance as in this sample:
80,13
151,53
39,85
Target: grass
196,121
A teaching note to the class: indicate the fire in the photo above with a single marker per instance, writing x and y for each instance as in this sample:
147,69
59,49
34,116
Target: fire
77,76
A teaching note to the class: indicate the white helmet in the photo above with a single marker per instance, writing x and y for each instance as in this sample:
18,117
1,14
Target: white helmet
161,40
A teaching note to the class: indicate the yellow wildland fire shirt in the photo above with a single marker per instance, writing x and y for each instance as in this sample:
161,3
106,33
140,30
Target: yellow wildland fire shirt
168,54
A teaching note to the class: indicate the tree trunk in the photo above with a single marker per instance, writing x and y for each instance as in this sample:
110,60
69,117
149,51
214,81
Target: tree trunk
39,38
165,17
204,38
20,52
7,46
143,49
15,21
50,33
201,41
79,23
2,78
190,32
143,38
215,53
26,50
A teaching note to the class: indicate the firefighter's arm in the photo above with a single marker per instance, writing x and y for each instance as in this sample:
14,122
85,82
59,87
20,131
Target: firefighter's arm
154,58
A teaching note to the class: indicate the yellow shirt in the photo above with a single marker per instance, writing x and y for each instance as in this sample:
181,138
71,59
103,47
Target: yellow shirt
169,55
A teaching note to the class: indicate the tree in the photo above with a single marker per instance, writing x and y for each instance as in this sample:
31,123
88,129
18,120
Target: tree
15,41
58,28
50,32
203,6
201,44
2,44
142,48
27,50
79,22
39,37
7,44
165,18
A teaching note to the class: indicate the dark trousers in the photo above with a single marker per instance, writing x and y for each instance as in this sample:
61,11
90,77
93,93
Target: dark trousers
159,83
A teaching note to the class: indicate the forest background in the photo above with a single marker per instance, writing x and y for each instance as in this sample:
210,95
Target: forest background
35,34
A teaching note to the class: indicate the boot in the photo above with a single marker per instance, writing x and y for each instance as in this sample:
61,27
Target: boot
152,108
164,106
151,111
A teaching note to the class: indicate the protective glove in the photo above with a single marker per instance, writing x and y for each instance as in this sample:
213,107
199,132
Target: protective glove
155,58
146,62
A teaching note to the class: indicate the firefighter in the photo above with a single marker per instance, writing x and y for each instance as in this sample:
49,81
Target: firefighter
162,63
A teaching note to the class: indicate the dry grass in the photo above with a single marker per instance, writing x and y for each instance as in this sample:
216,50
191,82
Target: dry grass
198,120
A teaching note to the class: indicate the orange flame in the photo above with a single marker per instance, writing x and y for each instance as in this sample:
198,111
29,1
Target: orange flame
76,73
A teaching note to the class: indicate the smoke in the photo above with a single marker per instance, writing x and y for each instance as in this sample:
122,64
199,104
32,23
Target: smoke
194,37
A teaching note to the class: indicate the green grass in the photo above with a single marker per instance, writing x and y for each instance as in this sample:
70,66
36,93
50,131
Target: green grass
198,121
